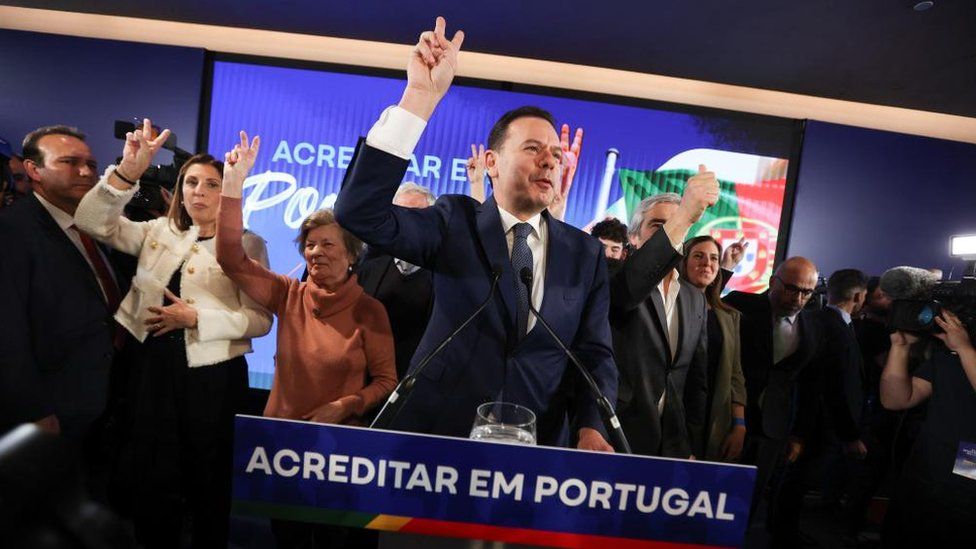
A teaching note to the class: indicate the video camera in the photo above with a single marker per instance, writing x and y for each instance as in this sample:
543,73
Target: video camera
918,296
148,202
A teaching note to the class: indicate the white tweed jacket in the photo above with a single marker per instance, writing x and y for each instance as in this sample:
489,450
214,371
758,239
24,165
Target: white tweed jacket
227,319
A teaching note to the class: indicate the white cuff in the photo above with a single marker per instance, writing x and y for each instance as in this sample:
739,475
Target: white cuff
118,193
396,132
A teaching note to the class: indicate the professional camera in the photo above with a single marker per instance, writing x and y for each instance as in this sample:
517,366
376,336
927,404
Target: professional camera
818,299
148,202
918,296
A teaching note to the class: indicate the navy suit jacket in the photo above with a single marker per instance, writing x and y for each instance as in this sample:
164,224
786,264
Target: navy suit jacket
56,341
461,241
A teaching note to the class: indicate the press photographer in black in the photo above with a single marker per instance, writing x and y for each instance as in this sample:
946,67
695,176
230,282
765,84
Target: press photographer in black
935,501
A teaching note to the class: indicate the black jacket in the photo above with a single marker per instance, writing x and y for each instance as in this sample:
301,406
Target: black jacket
56,341
787,403
407,299
643,356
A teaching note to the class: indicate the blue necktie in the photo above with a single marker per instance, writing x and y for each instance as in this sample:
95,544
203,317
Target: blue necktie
521,258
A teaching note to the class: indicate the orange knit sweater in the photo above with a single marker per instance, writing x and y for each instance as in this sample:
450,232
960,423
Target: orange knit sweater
327,342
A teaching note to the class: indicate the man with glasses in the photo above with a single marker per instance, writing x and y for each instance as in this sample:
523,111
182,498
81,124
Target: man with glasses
778,340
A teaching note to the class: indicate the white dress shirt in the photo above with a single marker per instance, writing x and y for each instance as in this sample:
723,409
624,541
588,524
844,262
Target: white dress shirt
670,299
843,314
65,221
397,132
786,337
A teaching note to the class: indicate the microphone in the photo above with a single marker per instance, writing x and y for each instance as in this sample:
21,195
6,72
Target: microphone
617,437
401,393
908,283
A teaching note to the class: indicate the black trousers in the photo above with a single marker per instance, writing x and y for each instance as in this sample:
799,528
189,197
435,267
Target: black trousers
178,458
766,454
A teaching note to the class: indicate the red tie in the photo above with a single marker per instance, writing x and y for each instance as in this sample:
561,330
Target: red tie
109,287
111,290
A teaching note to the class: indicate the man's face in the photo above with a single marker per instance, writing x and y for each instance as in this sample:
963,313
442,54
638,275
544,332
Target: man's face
654,218
22,183
69,171
612,249
411,200
527,167
790,289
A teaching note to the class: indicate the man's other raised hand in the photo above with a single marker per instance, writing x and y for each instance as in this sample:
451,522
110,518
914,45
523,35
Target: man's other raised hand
433,64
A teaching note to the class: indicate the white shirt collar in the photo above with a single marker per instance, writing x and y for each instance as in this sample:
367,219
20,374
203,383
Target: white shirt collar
675,286
791,319
61,217
509,221
843,314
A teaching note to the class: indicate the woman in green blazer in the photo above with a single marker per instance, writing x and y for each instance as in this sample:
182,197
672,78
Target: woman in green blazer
726,427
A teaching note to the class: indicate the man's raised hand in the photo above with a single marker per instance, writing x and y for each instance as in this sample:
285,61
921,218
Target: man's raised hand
238,163
570,160
700,193
139,149
432,66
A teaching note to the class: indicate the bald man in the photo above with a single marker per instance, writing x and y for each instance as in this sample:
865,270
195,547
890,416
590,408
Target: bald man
778,341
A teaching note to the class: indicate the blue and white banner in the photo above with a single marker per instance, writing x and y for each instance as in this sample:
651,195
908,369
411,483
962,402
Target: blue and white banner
463,488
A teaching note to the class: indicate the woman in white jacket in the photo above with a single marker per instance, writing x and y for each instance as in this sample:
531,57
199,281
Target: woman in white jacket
195,325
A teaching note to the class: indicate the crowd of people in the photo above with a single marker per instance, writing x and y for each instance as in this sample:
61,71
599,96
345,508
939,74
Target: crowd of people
141,368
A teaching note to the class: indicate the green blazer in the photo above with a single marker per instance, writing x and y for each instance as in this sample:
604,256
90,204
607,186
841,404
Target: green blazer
728,387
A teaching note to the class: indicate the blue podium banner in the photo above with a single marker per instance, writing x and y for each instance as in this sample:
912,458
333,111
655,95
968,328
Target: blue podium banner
463,488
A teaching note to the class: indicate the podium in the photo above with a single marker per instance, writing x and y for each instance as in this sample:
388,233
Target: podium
442,486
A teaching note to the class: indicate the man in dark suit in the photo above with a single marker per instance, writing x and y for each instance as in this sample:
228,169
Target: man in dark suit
59,292
503,355
832,430
779,339
659,328
404,289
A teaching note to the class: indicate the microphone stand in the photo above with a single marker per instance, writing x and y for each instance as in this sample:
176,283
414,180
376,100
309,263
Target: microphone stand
391,409
617,437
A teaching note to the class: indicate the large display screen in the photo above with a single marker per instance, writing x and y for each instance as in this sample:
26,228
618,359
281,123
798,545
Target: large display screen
310,120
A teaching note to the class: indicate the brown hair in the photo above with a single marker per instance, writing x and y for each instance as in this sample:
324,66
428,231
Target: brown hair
30,149
322,218
713,292
177,214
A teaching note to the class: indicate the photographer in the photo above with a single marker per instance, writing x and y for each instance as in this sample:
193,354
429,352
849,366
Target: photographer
934,503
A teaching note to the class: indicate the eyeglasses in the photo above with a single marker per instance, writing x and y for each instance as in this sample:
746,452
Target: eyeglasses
793,289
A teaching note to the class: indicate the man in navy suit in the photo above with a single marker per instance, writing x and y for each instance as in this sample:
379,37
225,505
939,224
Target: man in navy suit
503,355
59,292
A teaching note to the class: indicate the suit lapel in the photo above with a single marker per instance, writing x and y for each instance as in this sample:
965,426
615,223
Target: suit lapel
686,317
492,240
68,248
661,320
555,247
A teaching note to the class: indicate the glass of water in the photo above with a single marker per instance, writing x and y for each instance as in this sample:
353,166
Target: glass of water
504,422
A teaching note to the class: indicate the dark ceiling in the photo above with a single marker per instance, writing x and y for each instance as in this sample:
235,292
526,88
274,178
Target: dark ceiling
872,51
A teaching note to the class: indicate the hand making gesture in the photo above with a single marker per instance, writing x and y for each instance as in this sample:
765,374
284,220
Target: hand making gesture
137,153
570,160
238,163
734,253
433,64
476,172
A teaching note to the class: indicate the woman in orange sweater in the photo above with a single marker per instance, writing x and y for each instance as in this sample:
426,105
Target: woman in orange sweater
331,336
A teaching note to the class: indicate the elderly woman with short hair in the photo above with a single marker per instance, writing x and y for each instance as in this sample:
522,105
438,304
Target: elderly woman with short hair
335,356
